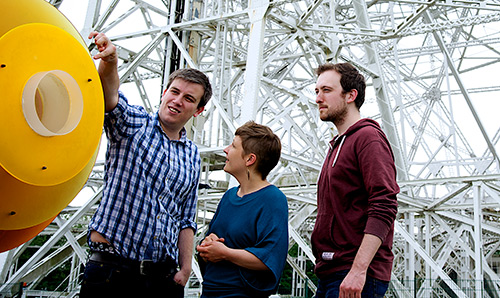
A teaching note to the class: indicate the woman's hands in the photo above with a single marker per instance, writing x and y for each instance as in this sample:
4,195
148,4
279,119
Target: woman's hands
212,248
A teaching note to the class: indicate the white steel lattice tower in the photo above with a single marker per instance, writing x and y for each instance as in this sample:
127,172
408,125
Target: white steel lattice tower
432,69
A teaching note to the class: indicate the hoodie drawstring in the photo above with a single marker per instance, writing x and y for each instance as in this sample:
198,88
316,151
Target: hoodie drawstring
338,151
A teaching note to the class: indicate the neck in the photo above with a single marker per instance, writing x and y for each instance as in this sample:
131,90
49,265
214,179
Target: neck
251,185
348,121
172,134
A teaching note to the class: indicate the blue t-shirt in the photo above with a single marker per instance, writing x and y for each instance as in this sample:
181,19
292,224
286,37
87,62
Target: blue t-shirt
258,223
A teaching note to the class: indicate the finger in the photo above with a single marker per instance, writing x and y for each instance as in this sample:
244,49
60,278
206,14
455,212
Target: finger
93,34
181,282
177,280
101,41
342,293
101,55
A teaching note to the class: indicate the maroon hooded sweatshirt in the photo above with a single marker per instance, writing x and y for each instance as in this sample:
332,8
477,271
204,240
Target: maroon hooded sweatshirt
357,191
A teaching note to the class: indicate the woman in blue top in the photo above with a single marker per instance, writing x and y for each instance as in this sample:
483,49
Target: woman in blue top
247,242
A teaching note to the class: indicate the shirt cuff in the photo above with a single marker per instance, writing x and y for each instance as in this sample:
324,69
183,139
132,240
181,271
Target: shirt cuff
377,227
188,224
120,108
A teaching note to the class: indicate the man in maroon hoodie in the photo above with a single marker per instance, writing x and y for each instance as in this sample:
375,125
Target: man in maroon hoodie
357,206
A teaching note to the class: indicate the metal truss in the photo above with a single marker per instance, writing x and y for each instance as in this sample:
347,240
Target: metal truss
432,71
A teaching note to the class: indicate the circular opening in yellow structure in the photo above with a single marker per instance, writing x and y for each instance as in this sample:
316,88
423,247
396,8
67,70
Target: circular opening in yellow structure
52,103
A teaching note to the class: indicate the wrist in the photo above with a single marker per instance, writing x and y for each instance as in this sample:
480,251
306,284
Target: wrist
185,269
359,268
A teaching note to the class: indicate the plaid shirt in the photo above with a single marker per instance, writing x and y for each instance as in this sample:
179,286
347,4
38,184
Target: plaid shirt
151,185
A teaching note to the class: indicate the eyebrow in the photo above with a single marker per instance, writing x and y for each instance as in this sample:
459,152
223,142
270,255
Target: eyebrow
188,95
323,87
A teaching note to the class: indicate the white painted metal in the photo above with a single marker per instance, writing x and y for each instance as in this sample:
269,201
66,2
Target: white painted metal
432,71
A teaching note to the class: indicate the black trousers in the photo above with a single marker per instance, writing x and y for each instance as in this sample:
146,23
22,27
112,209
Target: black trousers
114,278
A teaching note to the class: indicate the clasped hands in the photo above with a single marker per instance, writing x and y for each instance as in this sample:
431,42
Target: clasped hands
212,248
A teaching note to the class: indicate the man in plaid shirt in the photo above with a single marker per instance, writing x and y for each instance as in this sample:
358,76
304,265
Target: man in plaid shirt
141,236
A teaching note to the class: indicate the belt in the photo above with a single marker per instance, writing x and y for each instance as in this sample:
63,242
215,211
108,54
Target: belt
145,267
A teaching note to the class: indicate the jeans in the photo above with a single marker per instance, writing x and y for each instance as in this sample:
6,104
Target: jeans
329,288
106,280
236,294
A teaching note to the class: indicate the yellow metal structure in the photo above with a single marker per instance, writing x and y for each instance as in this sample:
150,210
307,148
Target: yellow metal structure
52,113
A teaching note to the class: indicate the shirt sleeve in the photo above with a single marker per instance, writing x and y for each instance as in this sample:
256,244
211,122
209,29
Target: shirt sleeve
124,120
272,245
379,177
188,218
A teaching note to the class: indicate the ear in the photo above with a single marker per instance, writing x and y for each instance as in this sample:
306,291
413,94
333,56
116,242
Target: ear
198,111
163,96
250,159
351,95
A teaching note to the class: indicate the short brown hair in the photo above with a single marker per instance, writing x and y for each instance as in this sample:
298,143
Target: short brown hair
193,76
350,78
261,141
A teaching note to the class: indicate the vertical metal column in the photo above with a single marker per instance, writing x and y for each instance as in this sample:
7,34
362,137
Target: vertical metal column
388,122
256,11
478,241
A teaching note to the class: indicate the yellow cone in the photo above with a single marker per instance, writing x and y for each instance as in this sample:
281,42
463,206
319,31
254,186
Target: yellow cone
52,113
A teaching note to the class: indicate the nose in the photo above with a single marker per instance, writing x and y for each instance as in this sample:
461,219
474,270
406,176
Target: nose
177,99
318,98
226,150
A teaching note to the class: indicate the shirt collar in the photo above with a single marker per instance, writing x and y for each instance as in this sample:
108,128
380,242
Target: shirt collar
183,138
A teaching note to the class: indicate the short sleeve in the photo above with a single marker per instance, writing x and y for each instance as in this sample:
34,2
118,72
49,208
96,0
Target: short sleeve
272,246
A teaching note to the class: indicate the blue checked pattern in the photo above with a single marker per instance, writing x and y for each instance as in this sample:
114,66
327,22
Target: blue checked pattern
151,185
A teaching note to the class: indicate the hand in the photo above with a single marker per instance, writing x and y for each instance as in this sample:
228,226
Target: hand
210,238
212,250
107,51
181,277
352,285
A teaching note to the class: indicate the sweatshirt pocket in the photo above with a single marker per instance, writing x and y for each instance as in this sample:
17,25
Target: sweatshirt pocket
324,245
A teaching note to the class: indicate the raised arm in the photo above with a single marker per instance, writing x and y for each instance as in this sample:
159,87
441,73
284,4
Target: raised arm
108,69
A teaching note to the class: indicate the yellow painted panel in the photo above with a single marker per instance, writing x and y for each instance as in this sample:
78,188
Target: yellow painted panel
24,205
30,157
20,12
10,239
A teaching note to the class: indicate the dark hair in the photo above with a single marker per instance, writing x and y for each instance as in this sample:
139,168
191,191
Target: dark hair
350,79
194,76
261,141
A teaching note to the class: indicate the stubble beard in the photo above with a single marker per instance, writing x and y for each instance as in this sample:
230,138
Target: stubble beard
337,116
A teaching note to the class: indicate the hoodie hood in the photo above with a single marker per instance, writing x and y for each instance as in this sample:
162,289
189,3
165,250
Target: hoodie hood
360,124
